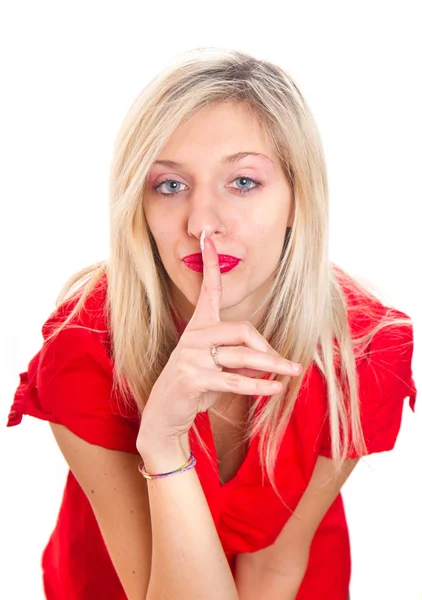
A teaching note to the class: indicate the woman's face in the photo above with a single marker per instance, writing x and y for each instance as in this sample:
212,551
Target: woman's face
210,192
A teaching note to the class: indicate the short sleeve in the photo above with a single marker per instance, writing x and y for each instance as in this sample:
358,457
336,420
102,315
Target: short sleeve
385,381
70,382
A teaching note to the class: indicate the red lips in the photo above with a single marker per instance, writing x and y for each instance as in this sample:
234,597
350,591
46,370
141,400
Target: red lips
226,262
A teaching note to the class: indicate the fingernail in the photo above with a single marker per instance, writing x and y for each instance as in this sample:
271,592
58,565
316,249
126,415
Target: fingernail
201,241
296,367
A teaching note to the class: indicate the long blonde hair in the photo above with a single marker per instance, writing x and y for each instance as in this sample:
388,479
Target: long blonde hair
307,308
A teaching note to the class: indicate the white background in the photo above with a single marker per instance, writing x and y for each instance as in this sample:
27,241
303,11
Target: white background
69,73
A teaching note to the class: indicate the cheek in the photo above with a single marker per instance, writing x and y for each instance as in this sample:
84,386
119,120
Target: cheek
265,223
161,234
266,238
160,226
164,242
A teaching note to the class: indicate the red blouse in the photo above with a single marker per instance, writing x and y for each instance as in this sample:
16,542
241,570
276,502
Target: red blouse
70,382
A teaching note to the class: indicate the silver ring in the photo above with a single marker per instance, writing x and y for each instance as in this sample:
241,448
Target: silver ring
214,355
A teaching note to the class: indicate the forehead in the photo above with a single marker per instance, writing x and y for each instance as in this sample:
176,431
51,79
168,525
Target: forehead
225,131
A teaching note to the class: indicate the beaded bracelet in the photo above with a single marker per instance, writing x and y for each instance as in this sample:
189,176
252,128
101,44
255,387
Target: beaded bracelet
189,464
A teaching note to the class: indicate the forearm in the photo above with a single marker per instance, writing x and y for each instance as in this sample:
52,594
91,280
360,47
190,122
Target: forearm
266,585
188,560
258,576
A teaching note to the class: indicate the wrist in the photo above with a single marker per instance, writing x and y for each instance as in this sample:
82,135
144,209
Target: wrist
161,461
163,454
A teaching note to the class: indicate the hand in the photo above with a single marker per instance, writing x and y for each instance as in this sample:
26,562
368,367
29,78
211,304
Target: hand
191,382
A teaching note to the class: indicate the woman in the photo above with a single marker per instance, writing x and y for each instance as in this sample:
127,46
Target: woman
191,473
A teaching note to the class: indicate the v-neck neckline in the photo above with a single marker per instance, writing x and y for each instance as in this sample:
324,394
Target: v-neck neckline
224,487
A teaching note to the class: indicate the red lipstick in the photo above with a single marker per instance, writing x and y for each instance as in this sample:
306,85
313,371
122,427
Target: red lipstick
227,262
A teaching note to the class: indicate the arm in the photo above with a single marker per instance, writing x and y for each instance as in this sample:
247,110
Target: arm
187,554
276,572
188,560
255,583
118,496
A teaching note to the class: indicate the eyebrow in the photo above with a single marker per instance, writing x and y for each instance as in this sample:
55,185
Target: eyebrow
231,158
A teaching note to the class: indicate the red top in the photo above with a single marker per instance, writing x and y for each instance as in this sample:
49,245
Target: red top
70,382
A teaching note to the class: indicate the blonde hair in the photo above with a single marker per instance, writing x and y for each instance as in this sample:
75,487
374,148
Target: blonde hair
307,308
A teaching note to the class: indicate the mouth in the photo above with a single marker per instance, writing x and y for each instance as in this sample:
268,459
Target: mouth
226,262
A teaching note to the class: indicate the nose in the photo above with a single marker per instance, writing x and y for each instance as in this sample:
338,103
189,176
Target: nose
205,213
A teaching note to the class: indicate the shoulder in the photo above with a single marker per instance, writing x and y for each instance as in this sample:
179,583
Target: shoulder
382,342
92,315
375,325
70,381
85,337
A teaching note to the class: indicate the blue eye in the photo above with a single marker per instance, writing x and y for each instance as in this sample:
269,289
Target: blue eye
158,185
174,181
249,179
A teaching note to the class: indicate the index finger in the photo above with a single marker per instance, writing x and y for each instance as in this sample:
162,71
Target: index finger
207,308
